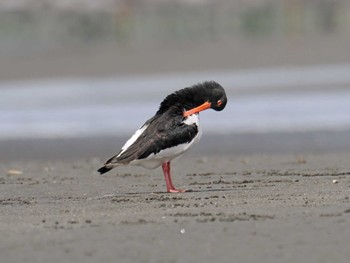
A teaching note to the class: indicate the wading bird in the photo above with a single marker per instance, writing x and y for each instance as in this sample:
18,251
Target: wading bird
171,131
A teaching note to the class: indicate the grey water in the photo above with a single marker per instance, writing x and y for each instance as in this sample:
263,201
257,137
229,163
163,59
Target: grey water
259,101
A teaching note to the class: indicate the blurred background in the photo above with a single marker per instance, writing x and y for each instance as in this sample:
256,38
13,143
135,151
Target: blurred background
77,77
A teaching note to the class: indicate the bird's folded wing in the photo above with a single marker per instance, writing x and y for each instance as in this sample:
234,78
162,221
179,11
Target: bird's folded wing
163,132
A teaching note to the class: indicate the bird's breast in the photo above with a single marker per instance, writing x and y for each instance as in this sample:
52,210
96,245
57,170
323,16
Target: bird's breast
192,119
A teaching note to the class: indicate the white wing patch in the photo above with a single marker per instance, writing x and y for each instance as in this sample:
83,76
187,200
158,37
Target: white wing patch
133,139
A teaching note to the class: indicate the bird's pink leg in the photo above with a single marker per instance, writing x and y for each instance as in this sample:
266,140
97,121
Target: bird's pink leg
169,184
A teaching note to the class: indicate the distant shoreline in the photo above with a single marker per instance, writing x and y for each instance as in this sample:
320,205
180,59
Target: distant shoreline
109,60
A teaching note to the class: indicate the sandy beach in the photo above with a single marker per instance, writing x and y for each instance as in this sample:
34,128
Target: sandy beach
276,207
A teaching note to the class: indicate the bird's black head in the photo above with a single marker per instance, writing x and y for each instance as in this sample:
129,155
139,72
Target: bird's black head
214,94
199,97
207,95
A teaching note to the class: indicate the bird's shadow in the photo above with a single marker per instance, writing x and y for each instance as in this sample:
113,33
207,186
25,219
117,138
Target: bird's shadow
146,193
184,193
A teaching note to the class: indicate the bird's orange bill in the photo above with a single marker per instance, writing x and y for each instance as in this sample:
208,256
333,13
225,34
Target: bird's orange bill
206,105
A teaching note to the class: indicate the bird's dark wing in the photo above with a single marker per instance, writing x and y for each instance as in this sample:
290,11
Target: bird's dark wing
164,131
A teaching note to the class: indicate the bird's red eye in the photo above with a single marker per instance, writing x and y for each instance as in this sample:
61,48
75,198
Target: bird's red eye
219,102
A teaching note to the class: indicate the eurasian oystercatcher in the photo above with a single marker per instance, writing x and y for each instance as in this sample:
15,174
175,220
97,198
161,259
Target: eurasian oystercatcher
171,131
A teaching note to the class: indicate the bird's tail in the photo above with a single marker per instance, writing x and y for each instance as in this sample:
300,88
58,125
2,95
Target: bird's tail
109,165
105,169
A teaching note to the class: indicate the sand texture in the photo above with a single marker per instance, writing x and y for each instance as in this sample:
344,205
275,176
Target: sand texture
252,208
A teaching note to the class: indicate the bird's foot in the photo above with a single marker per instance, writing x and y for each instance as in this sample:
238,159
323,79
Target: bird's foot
174,190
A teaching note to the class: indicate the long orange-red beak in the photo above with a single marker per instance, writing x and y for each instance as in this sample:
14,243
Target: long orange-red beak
206,105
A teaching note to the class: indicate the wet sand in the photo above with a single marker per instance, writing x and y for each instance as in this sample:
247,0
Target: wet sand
275,207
